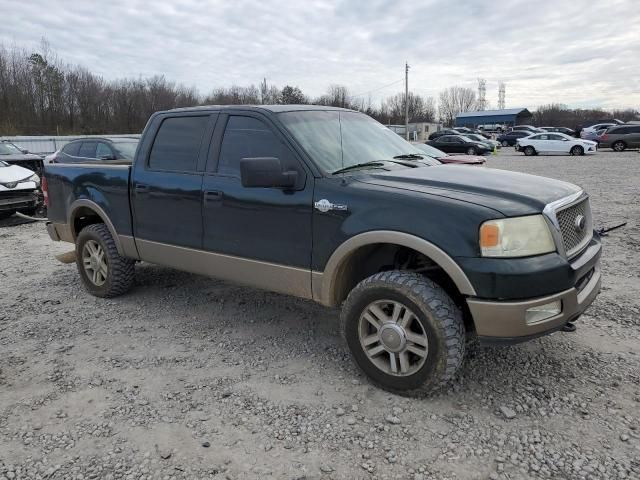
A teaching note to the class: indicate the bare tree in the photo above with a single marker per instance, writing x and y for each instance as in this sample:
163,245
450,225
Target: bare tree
455,100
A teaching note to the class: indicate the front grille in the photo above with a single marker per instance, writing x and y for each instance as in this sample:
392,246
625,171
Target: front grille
574,237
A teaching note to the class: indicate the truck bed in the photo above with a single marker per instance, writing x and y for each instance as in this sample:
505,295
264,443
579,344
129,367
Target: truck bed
105,185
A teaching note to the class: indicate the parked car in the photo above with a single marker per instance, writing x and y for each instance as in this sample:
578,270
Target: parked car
590,132
493,127
18,190
111,150
419,257
555,143
14,155
459,144
594,136
444,131
443,157
479,138
620,137
509,139
527,128
565,130
463,130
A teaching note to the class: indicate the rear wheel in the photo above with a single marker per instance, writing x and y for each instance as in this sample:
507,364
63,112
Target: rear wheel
471,151
577,150
103,271
619,146
505,143
529,150
404,331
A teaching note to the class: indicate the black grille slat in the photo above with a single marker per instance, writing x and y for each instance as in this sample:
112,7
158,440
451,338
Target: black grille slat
572,238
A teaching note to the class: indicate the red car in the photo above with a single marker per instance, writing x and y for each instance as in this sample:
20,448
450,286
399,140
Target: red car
432,152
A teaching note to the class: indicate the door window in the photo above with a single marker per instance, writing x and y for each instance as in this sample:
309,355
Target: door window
103,150
88,150
72,148
177,144
248,137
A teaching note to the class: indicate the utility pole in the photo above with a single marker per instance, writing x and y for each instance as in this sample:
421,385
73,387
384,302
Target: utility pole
501,95
406,100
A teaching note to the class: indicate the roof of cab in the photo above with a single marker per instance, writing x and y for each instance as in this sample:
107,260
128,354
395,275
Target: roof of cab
269,108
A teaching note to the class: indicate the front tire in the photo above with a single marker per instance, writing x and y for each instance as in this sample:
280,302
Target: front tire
404,332
505,143
471,151
529,151
103,271
618,146
577,150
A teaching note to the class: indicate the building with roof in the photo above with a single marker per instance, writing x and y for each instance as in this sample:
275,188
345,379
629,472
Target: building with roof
509,117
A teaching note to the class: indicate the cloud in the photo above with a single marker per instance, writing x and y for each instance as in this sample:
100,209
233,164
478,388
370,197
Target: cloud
577,53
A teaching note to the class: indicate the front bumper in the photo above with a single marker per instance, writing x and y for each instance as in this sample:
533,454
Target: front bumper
506,321
17,200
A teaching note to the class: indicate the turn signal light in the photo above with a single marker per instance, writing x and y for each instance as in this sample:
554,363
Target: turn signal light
489,235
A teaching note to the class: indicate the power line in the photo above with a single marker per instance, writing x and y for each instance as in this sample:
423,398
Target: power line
376,89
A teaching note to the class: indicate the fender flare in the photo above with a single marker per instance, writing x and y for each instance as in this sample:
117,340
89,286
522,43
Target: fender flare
324,284
83,202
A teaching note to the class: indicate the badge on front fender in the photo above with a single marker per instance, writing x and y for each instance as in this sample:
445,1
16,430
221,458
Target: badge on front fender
325,205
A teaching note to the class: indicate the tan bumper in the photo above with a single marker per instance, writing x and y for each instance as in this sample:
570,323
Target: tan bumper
506,321
60,232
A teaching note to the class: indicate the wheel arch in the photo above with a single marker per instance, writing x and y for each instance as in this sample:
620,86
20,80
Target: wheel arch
332,286
93,213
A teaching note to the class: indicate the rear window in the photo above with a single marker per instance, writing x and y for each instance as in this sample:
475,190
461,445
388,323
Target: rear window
72,148
88,150
177,144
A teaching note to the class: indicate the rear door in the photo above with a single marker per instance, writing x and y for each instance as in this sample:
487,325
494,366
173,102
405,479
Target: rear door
166,185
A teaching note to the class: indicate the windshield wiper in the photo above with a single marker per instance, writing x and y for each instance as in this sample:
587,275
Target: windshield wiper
410,156
377,163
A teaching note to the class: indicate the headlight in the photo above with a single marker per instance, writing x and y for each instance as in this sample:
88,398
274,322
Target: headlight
516,237
32,178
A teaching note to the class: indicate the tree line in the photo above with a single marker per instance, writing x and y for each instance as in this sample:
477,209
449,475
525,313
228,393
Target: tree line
42,95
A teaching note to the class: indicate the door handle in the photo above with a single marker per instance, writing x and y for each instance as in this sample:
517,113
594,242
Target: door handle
212,196
140,188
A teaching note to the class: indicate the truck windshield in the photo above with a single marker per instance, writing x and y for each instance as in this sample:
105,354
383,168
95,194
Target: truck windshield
336,139
9,149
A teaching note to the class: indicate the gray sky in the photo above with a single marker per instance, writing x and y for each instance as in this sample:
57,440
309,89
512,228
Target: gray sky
579,52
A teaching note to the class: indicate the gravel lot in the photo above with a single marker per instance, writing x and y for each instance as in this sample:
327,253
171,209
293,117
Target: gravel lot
190,377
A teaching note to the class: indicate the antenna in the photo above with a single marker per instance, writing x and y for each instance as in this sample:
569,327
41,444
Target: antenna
501,94
482,94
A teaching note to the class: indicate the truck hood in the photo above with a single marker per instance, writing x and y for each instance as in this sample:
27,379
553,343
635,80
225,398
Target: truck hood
510,193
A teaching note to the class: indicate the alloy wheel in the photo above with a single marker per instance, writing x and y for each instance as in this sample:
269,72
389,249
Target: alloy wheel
393,338
95,262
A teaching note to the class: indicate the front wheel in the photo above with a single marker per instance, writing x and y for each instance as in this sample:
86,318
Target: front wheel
505,143
103,271
529,151
471,151
404,331
577,150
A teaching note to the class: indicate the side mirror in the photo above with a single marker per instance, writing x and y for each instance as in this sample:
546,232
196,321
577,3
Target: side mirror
24,150
266,172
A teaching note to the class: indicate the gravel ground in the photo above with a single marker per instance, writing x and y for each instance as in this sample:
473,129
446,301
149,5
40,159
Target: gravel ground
190,377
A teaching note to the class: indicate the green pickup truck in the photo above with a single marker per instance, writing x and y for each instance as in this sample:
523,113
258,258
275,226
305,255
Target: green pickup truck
329,205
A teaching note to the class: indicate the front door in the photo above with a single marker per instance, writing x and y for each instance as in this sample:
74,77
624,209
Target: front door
262,235
166,186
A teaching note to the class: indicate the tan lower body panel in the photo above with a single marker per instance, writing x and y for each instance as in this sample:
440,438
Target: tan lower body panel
508,319
255,273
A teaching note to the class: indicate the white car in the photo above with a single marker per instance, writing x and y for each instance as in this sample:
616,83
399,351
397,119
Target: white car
18,189
555,143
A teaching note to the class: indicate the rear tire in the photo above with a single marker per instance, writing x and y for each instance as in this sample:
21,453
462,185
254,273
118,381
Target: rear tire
505,143
103,271
416,341
577,150
619,146
529,151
